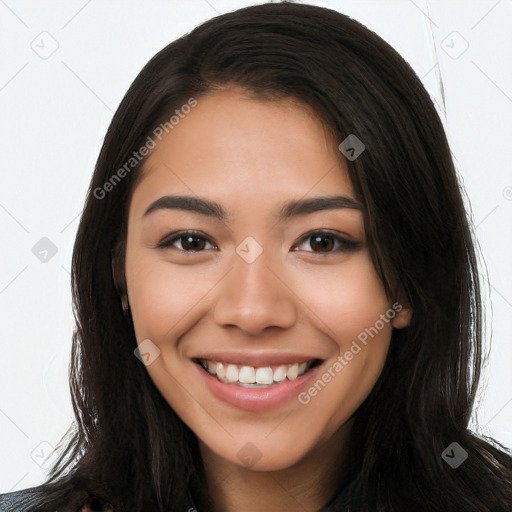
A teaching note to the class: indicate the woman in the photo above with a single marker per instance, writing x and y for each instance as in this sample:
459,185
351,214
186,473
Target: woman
276,287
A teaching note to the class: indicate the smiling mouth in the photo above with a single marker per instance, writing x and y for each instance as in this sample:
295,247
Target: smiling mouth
256,377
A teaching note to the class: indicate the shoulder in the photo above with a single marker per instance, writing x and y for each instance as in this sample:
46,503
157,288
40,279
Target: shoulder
17,501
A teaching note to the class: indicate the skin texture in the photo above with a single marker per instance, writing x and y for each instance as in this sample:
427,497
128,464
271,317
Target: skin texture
251,155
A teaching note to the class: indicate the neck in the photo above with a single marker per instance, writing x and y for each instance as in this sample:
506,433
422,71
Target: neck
307,485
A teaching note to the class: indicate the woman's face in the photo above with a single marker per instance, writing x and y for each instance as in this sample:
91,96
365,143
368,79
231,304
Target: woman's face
259,287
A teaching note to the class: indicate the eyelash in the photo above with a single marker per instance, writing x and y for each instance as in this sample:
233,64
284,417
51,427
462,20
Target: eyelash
344,243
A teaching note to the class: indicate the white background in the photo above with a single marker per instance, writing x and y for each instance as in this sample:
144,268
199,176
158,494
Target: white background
55,110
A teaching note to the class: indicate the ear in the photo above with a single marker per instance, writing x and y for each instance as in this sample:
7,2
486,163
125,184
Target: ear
403,312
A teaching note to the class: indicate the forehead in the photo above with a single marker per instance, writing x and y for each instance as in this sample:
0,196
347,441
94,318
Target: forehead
246,153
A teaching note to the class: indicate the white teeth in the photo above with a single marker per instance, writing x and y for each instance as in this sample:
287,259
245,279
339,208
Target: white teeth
293,371
219,371
280,374
263,375
249,375
232,373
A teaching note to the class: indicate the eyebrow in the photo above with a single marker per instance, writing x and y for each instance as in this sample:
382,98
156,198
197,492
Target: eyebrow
287,210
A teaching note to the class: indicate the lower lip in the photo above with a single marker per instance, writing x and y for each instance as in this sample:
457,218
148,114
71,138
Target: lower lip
257,399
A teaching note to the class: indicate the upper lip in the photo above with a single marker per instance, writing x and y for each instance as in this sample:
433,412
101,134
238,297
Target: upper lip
257,358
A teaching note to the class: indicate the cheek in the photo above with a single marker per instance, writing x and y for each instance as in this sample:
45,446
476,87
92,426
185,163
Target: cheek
351,309
161,297
344,300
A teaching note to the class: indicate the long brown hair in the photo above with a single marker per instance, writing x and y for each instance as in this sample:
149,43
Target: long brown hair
128,445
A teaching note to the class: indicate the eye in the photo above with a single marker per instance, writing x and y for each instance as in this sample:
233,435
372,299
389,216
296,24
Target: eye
194,242
318,243
191,241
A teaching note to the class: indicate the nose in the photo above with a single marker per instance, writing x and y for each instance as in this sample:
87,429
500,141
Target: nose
255,296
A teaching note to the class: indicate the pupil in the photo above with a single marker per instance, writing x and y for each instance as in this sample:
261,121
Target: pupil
193,245
317,238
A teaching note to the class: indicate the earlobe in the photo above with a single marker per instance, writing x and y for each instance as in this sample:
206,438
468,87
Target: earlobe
402,308
402,318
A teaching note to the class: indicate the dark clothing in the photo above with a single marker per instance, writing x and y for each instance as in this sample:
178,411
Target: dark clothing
19,501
